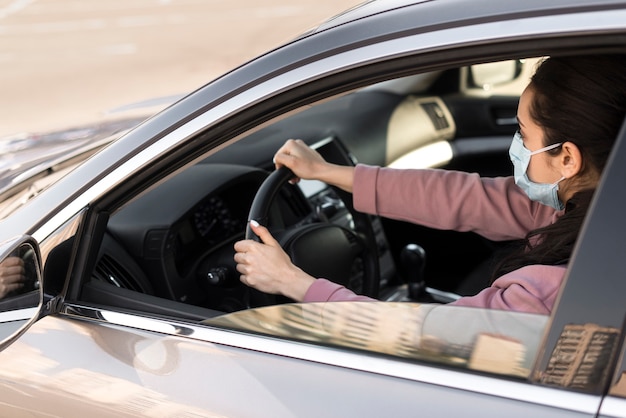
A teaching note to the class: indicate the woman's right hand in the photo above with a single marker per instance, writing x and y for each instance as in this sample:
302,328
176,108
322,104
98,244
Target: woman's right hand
306,163
266,267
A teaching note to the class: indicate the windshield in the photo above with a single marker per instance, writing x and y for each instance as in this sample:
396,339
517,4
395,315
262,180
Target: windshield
30,163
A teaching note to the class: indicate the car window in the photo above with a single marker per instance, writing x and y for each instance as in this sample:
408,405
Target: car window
491,341
167,251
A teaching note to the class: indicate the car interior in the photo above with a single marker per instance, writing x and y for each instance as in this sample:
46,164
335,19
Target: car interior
169,251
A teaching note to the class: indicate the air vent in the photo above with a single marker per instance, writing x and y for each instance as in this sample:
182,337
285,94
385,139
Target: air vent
436,115
110,271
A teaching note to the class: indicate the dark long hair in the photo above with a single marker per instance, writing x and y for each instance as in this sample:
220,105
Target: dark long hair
581,100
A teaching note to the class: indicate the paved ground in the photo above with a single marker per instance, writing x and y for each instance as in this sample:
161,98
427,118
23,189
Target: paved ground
66,62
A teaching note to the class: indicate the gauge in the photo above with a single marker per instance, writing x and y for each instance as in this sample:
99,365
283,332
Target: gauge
214,221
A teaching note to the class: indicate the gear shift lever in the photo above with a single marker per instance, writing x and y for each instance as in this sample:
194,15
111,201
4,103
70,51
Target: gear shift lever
413,258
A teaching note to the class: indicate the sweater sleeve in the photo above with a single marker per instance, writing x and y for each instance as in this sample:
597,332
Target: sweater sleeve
323,290
530,289
452,200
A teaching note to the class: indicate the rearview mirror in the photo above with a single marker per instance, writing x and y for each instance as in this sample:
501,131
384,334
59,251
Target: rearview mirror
21,295
488,75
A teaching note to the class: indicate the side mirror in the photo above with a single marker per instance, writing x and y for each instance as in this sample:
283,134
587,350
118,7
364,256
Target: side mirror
21,294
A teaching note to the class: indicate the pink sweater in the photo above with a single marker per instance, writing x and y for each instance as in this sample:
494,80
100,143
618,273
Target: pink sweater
492,207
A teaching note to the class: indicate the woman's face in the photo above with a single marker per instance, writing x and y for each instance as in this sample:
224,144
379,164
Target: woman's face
541,168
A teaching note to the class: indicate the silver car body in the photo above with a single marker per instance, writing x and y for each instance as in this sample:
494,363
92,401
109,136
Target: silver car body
67,358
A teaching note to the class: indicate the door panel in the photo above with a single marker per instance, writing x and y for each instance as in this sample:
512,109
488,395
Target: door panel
77,368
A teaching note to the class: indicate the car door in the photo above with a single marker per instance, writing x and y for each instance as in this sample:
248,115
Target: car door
106,360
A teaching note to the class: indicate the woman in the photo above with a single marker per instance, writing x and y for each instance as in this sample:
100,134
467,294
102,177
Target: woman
569,116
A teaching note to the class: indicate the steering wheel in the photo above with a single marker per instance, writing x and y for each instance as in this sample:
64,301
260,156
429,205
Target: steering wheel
321,249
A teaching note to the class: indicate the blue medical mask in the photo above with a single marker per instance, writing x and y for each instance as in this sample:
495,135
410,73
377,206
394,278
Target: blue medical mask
545,193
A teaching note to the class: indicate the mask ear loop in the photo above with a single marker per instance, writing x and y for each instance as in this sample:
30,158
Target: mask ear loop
548,148
544,149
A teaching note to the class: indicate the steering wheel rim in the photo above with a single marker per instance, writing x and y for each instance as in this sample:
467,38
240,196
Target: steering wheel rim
260,207
259,211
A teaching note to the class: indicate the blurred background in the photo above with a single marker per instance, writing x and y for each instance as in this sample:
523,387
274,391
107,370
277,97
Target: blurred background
64,63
